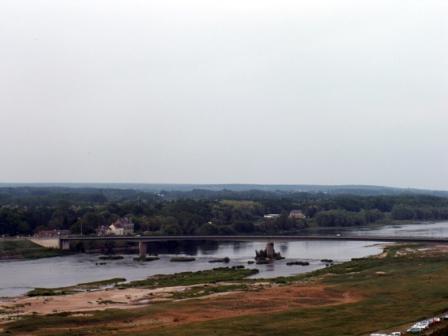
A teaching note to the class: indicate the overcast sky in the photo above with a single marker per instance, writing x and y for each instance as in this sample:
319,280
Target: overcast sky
225,91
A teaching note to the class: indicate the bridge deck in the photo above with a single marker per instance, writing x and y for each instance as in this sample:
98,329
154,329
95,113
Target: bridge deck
262,238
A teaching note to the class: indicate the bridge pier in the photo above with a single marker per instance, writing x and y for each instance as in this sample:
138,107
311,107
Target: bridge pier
64,244
142,249
270,252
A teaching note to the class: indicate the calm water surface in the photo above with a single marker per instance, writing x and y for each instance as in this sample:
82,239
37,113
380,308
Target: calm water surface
18,277
426,230
439,229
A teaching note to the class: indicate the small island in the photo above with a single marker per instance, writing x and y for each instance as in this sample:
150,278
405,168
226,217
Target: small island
267,255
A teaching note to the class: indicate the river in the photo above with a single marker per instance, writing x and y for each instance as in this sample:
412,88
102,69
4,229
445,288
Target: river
18,277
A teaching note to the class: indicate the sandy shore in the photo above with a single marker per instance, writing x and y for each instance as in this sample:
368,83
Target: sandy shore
86,301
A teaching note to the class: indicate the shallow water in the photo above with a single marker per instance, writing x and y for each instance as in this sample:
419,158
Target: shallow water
18,277
439,229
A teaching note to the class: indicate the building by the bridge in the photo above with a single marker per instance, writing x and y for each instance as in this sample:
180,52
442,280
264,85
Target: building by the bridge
51,233
297,214
121,227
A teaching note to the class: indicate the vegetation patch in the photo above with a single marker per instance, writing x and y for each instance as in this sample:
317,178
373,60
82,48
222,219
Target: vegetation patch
182,259
328,261
25,211
51,291
148,258
220,260
34,323
299,263
192,278
111,257
74,289
101,283
106,302
194,292
395,250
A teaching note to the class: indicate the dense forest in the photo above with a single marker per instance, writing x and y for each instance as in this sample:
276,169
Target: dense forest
26,210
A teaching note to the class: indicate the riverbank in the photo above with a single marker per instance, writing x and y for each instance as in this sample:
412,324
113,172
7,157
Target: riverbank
19,249
118,294
405,284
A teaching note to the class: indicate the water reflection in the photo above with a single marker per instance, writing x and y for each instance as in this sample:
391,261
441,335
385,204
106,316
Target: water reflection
236,247
182,247
283,248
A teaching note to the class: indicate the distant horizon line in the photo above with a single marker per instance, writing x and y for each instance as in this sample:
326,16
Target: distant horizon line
220,184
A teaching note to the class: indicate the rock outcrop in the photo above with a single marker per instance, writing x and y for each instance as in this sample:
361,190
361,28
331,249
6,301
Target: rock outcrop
267,255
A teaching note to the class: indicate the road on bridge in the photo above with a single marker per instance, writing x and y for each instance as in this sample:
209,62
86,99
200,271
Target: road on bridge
137,238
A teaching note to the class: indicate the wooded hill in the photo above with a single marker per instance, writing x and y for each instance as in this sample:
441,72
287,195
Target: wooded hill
25,210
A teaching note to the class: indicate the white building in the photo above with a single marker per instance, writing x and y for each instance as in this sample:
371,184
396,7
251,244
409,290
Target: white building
297,214
121,227
271,216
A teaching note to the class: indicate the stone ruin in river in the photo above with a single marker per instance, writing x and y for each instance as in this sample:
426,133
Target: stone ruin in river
267,255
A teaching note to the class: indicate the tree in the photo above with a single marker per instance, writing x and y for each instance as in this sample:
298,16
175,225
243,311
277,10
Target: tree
208,229
402,212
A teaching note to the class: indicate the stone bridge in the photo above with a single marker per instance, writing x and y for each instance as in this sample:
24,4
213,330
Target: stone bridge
64,242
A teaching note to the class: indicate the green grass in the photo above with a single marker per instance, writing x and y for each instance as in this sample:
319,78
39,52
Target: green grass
25,249
75,288
50,291
148,258
208,290
33,323
192,278
182,259
101,283
241,204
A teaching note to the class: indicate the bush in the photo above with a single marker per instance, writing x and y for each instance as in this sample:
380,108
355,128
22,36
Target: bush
402,212
339,218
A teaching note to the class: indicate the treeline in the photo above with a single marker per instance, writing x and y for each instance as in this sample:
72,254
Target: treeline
25,211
